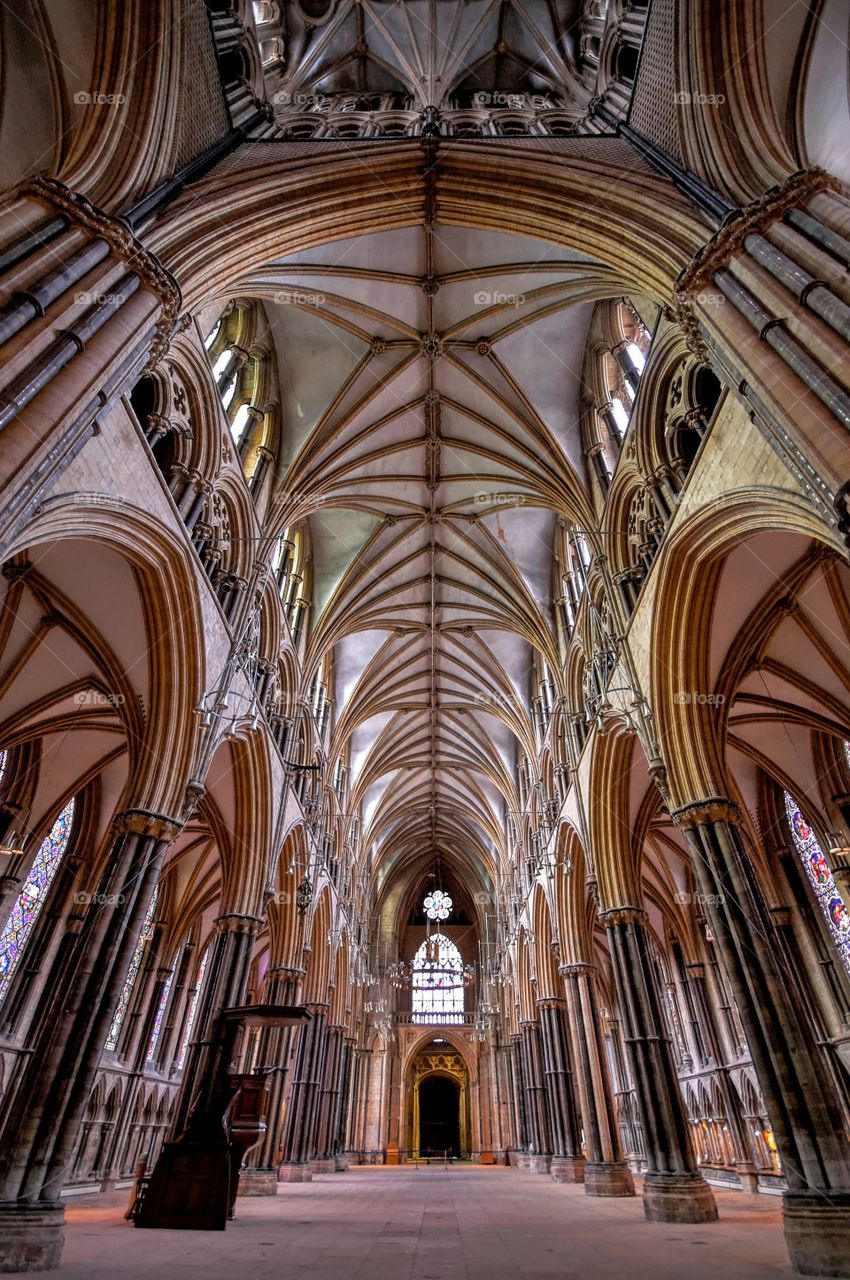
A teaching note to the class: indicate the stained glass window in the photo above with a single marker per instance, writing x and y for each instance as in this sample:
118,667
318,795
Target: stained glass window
132,974
2,765
26,910
193,1009
160,1014
437,982
438,905
821,879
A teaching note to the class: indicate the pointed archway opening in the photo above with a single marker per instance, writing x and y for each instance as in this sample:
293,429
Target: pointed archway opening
439,1116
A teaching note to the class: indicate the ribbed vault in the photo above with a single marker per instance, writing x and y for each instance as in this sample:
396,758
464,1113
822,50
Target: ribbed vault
430,391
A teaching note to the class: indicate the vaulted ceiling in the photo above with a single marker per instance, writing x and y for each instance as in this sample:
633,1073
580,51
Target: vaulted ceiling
432,51
430,395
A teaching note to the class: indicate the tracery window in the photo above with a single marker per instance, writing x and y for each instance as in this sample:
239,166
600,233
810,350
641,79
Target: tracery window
821,879
160,1014
32,897
193,1009
132,974
437,981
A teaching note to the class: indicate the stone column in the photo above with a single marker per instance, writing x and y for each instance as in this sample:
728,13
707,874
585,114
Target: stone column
799,1093
673,1189
325,1159
744,1163
566,1165
224,987
606,1172
536,1102
344,1104
518,1089
274,1049
78,1005
298,1140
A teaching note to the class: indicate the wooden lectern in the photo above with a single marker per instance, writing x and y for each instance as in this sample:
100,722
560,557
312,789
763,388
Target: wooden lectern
194,1182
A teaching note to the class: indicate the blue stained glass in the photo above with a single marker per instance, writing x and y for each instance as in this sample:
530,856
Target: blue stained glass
821,879
193,1009
26,910
132,974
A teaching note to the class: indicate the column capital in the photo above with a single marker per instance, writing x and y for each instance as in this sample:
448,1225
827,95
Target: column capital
701,813
577,969
80,211
623,915
238,922
755,217
144,822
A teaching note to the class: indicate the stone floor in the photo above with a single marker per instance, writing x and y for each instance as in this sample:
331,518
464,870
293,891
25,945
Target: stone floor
431,1224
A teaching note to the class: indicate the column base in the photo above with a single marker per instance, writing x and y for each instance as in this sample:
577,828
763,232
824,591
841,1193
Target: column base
341,1162
295,1173
323,1166
567,1168
539,1163
817,1233
749,1178
523,1161
608,1178
31,1235
674,1197
257,1182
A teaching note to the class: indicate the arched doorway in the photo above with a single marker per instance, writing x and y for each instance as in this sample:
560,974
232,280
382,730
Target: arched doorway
438,1092
439,1116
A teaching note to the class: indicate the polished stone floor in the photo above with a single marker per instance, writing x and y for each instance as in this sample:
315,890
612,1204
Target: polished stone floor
431,1224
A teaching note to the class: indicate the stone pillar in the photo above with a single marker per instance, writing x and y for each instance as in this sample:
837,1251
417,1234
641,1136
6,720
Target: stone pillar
324,1160
795,1082
298,1140
537,1106
224,987
673,1190
744,1163
78,1005
567,1165
274,1048
606,1172
518,1088
344,1104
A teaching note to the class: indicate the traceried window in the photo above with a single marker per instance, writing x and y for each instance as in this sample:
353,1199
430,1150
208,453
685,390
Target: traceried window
821,879
31,899
437,981
160,1014
193,1009
132,974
